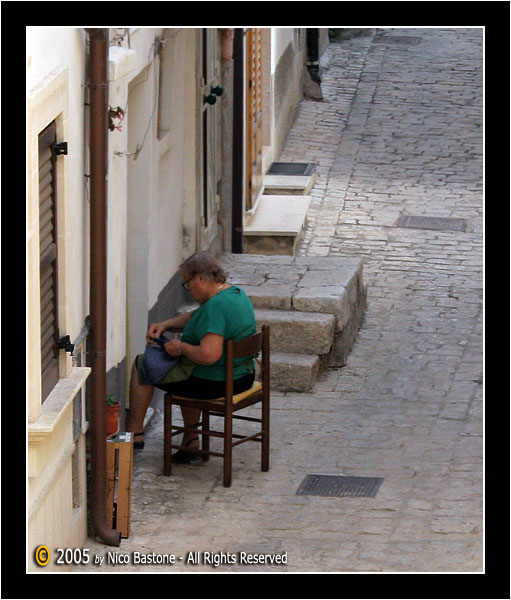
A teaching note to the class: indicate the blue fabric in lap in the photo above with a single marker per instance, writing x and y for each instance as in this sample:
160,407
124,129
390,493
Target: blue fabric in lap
156,364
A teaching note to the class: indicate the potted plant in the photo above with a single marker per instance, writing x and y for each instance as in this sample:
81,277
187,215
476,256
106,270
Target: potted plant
112,416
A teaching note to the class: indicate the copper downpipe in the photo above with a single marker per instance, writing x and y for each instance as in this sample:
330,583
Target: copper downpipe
98,144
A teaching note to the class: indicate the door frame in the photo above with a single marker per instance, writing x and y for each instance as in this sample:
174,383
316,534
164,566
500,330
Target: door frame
238,139
208,137
254,69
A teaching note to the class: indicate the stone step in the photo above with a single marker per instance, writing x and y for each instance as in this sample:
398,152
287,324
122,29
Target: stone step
314,306
293,372
277,225
288,371
298,332
293,185
293,331
322,285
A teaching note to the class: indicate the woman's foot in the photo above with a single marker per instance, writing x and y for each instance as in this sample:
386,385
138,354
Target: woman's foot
187,456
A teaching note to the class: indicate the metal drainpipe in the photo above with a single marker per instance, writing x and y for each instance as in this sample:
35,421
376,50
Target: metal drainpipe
313,54
237,142
98,192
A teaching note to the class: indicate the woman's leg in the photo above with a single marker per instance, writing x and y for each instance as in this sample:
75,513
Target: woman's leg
190,417
195,387
140,398
205,389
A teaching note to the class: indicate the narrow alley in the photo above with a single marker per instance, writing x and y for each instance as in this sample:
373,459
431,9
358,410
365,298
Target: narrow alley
399,133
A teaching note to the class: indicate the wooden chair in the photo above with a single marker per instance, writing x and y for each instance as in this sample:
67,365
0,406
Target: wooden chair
226,407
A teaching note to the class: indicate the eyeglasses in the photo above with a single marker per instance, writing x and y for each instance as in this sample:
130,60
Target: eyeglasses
186,284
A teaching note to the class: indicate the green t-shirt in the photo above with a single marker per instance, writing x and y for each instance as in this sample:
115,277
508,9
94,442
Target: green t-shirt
229,313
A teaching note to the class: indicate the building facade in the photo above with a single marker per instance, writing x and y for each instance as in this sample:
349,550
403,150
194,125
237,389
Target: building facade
181,103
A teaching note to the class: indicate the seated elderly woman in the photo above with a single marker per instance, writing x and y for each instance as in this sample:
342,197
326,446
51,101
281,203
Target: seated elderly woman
225,312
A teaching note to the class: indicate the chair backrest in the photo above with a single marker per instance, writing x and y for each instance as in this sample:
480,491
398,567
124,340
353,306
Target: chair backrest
249,346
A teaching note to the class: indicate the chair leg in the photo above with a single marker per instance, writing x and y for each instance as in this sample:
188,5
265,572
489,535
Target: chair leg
227,449
205,438
265,442
167,437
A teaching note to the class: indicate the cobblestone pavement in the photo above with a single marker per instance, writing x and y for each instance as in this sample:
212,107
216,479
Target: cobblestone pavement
399,132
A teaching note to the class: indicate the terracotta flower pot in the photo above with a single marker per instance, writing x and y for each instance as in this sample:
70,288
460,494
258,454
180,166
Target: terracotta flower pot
112,419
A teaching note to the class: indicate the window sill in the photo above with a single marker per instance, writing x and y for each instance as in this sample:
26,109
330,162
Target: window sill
59,399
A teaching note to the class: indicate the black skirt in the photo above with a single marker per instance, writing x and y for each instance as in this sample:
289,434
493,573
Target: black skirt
207,389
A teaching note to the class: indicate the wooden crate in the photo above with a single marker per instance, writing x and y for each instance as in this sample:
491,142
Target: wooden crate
119,469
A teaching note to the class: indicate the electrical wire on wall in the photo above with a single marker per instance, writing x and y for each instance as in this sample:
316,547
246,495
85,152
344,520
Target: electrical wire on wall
156,49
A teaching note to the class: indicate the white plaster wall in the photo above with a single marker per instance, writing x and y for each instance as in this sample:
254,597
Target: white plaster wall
166,218
138,207
122,62
280,38
160,181
50,48
286,86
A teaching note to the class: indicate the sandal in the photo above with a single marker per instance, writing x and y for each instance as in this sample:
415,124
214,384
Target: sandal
185,456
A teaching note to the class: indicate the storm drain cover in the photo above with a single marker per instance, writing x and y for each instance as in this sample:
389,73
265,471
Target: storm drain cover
402,40
439,223
283,168
339,485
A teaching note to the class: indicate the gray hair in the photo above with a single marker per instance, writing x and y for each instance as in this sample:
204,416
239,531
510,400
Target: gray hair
203,263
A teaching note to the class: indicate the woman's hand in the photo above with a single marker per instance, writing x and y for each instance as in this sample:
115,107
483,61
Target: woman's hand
155,331
173,347
207,353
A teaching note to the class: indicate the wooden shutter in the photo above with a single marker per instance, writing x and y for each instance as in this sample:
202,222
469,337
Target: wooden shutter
48,260
254,114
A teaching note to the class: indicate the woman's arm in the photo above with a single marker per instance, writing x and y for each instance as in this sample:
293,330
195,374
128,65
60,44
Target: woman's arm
179,322
207,353
157,329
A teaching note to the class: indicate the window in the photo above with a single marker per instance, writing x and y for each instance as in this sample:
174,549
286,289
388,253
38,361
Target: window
48,260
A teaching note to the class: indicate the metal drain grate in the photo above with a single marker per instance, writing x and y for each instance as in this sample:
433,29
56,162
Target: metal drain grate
438,223
283,168
401,40
339,486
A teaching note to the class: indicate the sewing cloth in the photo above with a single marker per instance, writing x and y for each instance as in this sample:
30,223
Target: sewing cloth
157,366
